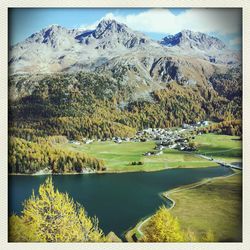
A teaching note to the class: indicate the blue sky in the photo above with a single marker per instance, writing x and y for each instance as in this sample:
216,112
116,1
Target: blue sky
156,23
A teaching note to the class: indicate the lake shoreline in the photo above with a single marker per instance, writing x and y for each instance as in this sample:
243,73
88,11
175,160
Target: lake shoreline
165,195
107,172
86,173
100,187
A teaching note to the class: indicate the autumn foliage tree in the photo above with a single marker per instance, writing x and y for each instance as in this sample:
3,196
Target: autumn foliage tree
30,157
53,217
163,227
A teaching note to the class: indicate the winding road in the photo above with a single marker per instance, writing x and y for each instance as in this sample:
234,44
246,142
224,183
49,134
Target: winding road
225,164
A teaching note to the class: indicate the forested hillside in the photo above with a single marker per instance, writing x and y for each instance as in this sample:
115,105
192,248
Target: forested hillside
31,157
111,82
88,105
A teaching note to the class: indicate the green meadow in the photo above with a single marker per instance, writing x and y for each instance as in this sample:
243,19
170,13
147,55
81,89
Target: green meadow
214,206
222,147
119,157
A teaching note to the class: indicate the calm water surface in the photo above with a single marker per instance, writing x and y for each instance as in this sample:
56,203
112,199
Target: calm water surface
118,200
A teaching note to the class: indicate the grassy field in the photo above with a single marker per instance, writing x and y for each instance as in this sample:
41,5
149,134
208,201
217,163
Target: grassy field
222,147
214,206
119,157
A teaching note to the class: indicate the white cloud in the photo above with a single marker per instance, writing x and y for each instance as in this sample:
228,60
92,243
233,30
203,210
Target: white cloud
223,21
89,26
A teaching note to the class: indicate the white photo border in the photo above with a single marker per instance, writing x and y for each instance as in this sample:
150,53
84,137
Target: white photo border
5,4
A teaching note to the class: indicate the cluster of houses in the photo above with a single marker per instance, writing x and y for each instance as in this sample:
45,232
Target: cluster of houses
74,142
181,143
195,125
165,138
89,141
156,133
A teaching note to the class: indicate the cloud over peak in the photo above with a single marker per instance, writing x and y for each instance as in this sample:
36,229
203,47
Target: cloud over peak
223,21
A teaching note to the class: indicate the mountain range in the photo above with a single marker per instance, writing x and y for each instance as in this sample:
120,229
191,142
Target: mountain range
57,49
112,80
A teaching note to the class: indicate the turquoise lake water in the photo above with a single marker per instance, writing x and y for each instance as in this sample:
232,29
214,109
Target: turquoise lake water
118,200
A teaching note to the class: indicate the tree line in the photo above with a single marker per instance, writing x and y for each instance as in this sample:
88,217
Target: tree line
232,127
31,157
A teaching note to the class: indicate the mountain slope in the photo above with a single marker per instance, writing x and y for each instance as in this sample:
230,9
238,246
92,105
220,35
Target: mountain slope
134,64
93,105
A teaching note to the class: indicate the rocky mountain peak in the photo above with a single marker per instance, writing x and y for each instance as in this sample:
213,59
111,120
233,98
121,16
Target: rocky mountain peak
48,31
188,39
53,36
55,48
54,27
107,26
110,34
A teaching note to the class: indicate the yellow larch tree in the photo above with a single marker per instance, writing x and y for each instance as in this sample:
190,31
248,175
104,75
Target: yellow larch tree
53,217
163,227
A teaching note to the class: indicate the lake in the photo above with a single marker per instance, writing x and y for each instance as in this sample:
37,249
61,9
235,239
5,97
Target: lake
118,200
